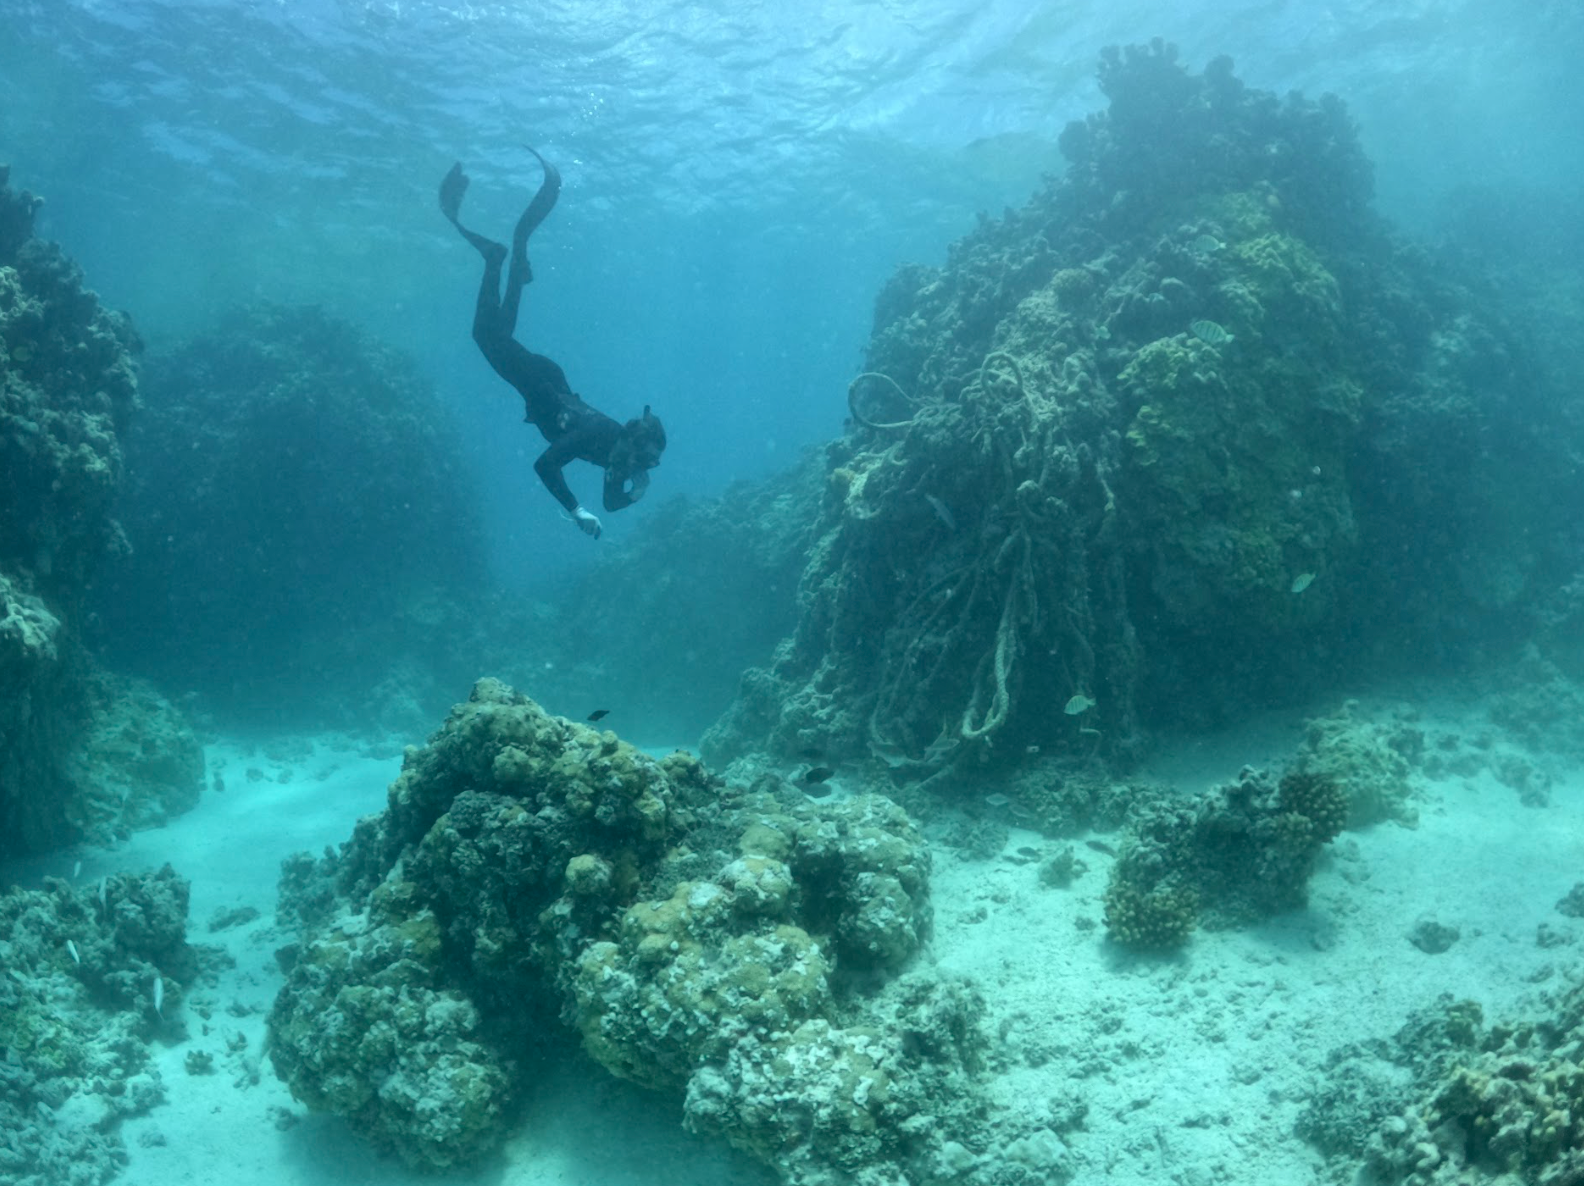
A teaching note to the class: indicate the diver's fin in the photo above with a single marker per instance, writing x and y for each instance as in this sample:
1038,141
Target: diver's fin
451,191
539,209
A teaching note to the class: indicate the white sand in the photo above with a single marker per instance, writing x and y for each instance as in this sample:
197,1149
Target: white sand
1193,1066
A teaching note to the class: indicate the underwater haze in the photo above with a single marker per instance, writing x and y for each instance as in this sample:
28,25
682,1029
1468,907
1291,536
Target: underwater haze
740,179
1009,611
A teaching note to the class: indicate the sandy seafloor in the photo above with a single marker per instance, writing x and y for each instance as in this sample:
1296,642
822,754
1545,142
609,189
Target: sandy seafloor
1193,1066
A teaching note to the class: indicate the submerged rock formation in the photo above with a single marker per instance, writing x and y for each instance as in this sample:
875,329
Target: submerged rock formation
744,949
298,514
1166,441
68,388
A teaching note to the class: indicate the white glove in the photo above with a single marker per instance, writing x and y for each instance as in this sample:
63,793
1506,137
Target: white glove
588,521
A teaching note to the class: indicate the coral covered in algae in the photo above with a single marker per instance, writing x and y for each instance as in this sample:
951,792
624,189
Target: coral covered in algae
532,877
78,1006
1152,446
297,509
67,390
1452,1099
1236,854
1372,757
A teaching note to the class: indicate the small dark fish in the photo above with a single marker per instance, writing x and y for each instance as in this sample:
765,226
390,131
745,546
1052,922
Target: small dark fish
599,714
813,753
814,775
1101,846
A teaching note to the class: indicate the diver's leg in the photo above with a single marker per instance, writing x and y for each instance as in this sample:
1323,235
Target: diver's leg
538,210
519,275
451,191
489,327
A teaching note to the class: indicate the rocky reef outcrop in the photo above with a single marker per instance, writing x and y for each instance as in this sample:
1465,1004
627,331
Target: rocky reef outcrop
68,389
744,949
297,511
1166,442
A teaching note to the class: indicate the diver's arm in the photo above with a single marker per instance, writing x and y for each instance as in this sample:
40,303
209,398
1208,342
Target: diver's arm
549,465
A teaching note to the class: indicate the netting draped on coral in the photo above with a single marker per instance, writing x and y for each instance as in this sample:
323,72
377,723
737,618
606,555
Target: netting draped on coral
1018,526
1154,448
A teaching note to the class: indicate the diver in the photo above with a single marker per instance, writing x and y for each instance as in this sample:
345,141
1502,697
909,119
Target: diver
627,452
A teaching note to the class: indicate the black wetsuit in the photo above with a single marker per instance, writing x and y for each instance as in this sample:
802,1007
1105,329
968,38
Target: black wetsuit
575,430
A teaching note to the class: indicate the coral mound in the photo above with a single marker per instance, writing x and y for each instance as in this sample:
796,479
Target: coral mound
532,879
1157,447
70,739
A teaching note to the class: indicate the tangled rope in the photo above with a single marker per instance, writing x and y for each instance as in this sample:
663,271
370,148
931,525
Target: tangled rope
1020,561
860,418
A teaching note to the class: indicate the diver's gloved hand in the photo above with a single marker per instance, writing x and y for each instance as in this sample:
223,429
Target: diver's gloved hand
588,521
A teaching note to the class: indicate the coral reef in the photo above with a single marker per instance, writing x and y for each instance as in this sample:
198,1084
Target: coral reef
297,511
67,390
1236,854
1371,759
78,1005
1451,1099
1153,448
744,950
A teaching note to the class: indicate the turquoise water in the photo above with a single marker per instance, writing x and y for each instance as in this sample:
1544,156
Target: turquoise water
740,179
1214,830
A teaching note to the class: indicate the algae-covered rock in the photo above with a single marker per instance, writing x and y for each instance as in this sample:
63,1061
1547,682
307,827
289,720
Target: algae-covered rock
364,1030
79,759
1231,856
1171,438
1453,1098
88,977
1371,758
533,879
